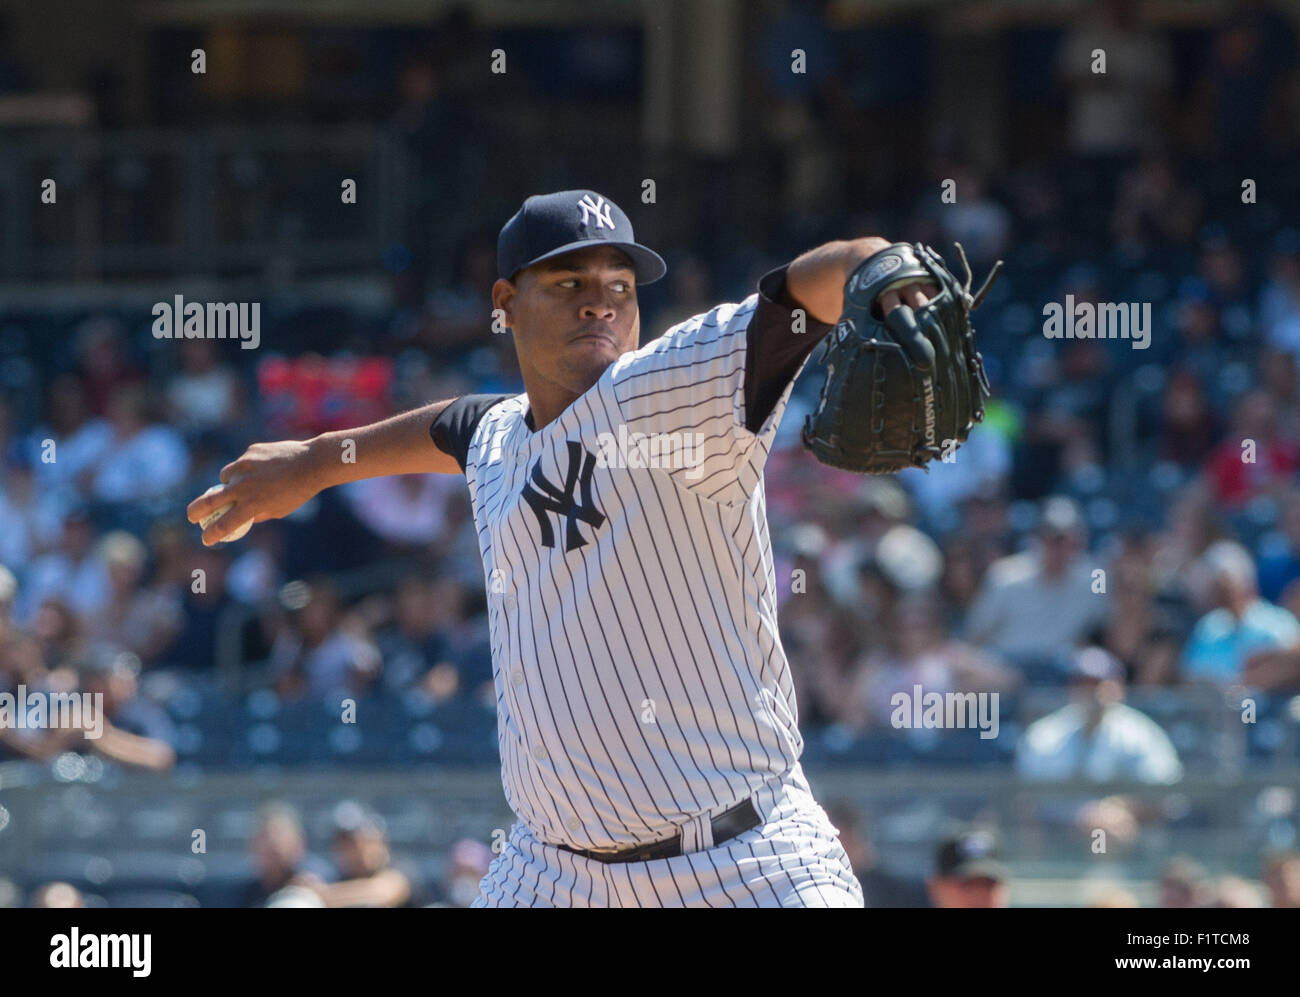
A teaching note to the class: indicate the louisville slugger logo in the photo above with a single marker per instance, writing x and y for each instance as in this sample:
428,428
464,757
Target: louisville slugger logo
929,410
876,271
545,498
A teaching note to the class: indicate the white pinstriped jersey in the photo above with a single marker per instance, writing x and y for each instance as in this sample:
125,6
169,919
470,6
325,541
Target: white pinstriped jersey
639,672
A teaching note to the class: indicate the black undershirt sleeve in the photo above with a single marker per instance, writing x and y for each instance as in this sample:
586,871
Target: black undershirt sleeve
452,429
774,352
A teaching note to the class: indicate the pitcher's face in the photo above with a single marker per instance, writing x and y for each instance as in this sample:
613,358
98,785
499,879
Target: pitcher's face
572,316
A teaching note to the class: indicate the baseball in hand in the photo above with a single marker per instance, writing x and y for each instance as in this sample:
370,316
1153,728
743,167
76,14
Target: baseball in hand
211,518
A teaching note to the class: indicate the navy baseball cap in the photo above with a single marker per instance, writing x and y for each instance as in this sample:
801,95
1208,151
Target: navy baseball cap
970,854
554,224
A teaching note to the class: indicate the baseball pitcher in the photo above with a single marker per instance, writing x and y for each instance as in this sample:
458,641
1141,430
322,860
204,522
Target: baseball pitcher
646,718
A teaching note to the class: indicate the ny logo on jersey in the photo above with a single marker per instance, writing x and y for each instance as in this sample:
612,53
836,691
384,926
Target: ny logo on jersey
552,499
599,208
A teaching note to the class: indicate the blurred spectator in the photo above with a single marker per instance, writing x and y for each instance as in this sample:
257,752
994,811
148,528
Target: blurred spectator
962,570
257,571
1193,524
1199,345
692,293
137,731
1234,892
406,511
459,315
976,220
1238,474
1063,431
73,572
985,521
1114,896
814,633
198,575
278,850
1223,269
104,363
876,506
1273,670
1155,206
969,873
205,393
1276,372
794,117
1279,550
1238,622
1183,884
146,459
1144,636
81,440
1281,875
466,866
60,896
319,653
908,559
294,895
8,596
1035,605
1188,423
1096,736
60,639
121,727
1279,300
867,622
23,663
982,464
420,645
1118,110
138,619
368,877
31,516
1252,61
919,653
441,136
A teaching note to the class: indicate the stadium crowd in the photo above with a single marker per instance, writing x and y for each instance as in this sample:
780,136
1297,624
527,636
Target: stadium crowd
1124,521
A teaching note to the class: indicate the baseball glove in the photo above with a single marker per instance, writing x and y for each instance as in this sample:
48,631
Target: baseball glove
906,388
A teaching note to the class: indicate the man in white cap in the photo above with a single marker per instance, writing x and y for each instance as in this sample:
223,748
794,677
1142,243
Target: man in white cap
1240,622
1036,606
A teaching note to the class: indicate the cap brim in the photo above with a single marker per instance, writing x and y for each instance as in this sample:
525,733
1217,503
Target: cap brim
648,264
981,869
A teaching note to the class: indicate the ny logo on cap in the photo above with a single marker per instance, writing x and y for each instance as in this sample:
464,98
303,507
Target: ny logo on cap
599,208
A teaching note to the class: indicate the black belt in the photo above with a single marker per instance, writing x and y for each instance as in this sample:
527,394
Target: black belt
727,824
